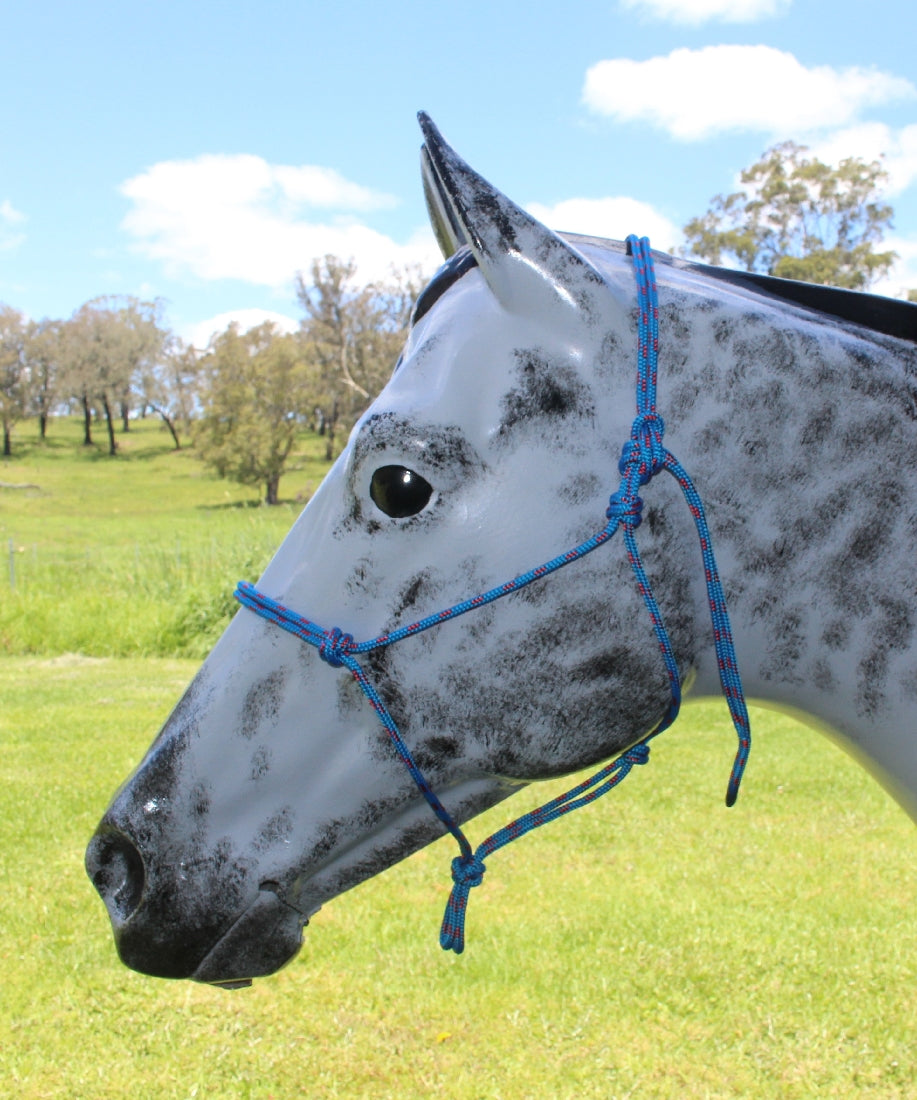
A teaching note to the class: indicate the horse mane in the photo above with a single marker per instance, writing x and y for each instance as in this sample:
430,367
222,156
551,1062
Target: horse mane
889,316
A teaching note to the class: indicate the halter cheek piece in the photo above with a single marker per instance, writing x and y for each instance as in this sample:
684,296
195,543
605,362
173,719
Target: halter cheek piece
642,457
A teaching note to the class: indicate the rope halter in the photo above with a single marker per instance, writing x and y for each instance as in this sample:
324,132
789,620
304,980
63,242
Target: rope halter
643,456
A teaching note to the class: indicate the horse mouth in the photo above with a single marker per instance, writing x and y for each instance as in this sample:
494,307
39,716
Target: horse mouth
163,932
262,940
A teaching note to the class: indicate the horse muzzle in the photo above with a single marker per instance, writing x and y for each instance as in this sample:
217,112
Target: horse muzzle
165,928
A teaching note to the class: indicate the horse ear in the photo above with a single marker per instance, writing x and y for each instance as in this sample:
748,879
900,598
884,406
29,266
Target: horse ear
448,232
530,269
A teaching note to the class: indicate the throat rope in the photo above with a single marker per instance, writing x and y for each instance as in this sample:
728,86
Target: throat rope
642,457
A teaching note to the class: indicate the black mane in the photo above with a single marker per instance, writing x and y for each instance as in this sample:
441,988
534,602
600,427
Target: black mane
890,316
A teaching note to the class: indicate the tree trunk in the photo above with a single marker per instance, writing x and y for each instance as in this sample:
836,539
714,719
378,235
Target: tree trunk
171,426
125,419
330,425
7,441
43,425
109,422
273,488
87,422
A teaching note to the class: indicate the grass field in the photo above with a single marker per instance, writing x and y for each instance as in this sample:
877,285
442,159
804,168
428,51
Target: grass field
132,555
653,945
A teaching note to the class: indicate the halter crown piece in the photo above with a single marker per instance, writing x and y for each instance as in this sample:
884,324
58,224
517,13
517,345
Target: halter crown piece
642,457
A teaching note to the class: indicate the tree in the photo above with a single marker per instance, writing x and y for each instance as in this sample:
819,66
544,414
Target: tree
354,334
108,342
800,219
77,368
13,372
44,351
256,390
169,385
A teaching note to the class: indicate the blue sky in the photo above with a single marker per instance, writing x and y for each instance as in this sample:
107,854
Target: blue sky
203,152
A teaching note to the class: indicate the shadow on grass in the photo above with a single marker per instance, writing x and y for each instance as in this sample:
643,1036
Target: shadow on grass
64,449
127,451
244,505
27,449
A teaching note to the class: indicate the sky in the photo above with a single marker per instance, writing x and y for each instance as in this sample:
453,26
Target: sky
203,152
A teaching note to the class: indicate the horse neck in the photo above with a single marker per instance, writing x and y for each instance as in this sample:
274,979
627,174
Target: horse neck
803,441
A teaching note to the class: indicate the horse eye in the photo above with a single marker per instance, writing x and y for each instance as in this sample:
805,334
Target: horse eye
399,492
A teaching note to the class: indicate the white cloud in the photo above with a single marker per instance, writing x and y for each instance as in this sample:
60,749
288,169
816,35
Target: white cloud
10,220
609,217
875,141
699,11
199,335
903,275
696,93
239,217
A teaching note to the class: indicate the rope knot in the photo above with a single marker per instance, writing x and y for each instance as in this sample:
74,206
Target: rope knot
637,754
335,647
643,454
468,871
625,507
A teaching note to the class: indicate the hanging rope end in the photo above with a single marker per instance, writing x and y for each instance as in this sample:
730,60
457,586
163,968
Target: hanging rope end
467,872
738,771
450,941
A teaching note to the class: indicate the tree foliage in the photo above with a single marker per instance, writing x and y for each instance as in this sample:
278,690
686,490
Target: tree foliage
251,391
168,385
44,353
257,388
108,342
13,372
353,334
799,218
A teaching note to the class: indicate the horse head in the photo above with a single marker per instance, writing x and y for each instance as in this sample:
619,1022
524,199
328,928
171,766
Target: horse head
273,787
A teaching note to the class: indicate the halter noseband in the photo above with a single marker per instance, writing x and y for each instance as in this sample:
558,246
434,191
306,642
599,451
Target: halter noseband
642,457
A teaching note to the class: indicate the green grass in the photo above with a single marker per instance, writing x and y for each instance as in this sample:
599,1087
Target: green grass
652,945
131,555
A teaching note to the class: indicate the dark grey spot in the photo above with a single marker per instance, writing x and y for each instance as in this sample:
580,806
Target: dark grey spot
276,830
836,634
262,704
261,763
581,488
544,392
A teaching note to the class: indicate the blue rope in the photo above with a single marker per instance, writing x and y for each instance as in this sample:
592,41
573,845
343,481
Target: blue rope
643,456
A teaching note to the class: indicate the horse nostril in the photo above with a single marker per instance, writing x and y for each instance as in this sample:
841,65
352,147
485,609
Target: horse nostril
116,870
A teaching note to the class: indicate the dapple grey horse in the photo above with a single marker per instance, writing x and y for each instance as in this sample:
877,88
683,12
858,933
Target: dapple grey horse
273,787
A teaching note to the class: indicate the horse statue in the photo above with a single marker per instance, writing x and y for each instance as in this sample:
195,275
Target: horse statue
301,762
